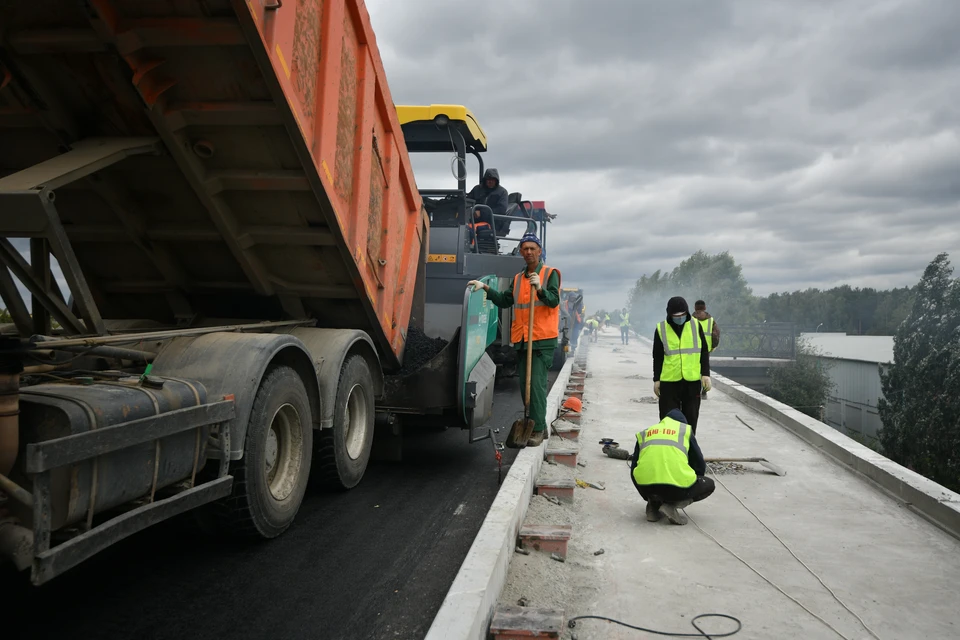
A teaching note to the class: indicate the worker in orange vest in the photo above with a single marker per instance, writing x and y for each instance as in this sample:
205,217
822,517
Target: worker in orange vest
546,324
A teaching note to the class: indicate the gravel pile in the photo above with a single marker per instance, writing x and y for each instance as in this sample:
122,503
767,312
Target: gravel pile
420,350
725,468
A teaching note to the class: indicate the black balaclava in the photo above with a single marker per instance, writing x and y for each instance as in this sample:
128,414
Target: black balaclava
676,305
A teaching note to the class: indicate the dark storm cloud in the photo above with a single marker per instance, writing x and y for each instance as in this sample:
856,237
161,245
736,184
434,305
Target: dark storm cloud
817,141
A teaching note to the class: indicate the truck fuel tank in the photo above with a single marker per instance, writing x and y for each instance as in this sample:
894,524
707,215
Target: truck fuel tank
54,410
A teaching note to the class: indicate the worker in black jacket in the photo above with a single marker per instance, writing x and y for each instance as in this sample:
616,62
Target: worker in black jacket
681,362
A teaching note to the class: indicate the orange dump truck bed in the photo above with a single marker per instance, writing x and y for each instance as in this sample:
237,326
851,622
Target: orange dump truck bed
263,171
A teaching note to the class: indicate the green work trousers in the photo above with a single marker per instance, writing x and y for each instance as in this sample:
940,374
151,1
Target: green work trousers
542,359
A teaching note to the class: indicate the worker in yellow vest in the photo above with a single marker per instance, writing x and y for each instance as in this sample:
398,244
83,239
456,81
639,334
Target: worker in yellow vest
546,325
710,330
624,327
668,469
681,362
593,328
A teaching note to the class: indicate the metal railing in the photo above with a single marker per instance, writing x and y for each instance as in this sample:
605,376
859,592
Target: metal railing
538,226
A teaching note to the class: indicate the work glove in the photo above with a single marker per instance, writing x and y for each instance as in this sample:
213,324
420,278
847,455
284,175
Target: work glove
705,381
476,284
535,280
656,388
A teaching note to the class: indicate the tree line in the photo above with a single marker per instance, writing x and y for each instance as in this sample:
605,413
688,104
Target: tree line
719,280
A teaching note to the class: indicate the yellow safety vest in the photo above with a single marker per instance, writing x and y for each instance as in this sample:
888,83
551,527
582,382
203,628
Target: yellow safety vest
707,331
663,455
625,320
681,355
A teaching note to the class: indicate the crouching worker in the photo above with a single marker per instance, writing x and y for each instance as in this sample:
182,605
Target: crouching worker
668,469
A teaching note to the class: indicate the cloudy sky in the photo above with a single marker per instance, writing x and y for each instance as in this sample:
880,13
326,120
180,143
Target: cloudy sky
818,140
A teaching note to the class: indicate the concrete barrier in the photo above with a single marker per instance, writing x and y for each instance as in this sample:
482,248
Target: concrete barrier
468,607
926,498
930,500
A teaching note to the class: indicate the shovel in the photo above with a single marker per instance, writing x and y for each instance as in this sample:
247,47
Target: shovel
522,430
763,461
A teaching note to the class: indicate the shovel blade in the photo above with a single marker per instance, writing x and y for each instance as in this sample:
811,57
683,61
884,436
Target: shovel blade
772,467
520,432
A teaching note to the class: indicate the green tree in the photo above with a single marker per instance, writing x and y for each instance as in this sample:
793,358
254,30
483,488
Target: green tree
717,279
920,409
803,384
847,309
5,317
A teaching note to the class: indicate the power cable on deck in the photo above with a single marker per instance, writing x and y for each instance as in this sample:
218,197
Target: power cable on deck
797,558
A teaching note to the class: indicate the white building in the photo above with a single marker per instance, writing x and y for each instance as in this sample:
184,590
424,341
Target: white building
855,363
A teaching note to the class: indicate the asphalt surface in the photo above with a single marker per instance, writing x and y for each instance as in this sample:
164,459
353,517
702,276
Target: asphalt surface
374,562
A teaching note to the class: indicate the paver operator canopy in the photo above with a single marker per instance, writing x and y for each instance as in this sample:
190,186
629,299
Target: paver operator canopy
442,128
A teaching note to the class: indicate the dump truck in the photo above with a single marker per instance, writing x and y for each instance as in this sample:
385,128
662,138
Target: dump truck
458,252
212,208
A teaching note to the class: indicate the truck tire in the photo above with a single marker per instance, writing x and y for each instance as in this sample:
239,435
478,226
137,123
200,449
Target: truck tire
270,480
343,451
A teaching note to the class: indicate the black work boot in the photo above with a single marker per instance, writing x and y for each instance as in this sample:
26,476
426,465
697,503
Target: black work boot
653,511
672,511
536,439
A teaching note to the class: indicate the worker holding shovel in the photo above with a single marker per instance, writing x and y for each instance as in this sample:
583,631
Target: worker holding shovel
536,289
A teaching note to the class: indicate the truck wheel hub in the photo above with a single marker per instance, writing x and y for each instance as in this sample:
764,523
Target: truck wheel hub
282,458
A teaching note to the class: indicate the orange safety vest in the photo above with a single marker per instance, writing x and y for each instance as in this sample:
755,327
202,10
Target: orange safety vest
546,320
474,227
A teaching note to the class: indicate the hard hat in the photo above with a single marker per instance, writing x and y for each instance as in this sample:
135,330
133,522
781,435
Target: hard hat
573,404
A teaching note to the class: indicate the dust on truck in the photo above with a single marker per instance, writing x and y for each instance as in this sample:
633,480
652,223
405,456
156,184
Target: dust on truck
224,190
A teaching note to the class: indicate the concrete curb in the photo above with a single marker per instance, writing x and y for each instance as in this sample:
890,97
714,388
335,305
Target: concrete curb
928,499
468,607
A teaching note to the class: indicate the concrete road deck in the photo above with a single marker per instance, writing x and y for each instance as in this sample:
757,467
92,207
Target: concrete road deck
893,568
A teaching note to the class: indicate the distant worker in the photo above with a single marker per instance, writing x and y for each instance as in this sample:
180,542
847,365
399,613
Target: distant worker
546,325
490,193
593,328
576,315
681,362
668,468
710,330
606,321
624,327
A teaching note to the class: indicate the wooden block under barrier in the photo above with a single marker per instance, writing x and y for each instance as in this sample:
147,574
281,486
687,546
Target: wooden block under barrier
572,416
575,394
561,489
564,456
515,623
569,432
549,538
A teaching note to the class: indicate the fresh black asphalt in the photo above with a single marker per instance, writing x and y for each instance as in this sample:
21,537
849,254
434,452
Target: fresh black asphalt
374,562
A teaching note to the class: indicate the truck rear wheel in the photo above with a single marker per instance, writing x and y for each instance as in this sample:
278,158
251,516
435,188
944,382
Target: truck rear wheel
344,450
271,478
